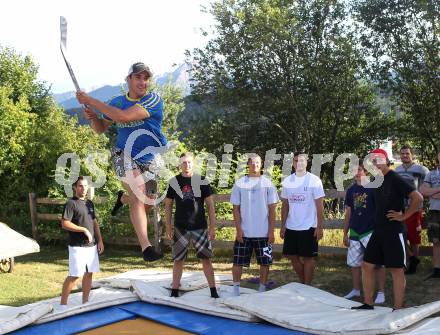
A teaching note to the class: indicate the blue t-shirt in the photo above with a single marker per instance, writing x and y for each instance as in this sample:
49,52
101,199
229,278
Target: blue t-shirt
361,202
148,138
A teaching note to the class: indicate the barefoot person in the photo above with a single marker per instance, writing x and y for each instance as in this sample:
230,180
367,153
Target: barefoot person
85,240
190,193
387,246
254,199
358,227
138,117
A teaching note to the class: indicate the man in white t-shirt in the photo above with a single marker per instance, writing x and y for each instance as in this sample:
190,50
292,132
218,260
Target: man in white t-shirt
302,218
254,199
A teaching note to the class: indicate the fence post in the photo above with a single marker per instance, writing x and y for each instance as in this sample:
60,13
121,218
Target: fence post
34,216
156,220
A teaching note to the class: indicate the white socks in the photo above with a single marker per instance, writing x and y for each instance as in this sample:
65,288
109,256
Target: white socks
380,298
352,294
236,291
236,288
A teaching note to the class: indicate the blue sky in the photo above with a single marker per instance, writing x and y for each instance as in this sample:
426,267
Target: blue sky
104,37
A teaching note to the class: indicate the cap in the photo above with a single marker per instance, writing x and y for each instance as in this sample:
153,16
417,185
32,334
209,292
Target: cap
380,152
138,68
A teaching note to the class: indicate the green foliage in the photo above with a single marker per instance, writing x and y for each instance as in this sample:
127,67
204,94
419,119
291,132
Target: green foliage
403,41
34,132
282,75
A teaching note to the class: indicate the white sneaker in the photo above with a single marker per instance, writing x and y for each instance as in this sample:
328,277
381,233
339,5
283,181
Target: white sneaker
353,294
380,298
60,308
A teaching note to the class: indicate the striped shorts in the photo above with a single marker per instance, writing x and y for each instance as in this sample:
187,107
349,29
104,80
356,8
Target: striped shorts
182,239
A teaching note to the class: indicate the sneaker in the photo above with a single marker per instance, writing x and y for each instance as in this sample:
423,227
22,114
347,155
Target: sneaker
380,298
214,293
60,308
353,294
150,255
363,307
412,268
270,285
118,203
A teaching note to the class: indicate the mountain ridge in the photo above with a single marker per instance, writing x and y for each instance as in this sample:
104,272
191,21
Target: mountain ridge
179,76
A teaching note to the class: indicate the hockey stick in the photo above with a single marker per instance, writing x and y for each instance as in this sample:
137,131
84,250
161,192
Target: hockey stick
63,30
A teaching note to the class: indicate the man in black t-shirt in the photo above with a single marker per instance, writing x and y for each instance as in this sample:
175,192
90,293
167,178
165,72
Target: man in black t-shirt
387,245
85,240
190,193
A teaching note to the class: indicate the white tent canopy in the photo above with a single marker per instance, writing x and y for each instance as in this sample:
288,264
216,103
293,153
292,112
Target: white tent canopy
13,244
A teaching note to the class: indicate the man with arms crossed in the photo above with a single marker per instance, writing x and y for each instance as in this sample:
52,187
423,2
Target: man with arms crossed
85,240
387,245
413,174
140,114
190,193
254,199
359,221
431,188
302,218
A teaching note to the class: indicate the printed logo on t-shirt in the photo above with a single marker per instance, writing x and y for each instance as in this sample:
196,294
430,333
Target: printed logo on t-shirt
131,124
297,198
360,200
187,192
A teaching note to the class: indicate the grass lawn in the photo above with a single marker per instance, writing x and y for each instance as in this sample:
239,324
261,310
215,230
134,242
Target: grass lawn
40,276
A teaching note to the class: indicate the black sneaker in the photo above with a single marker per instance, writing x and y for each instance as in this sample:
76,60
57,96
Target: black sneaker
150,255
363,307
214,293
412,268
118,203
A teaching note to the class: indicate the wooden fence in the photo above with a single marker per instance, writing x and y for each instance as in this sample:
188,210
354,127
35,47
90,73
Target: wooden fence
154,218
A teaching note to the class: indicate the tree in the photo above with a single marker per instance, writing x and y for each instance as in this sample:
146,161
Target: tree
403,41
286,75
34,132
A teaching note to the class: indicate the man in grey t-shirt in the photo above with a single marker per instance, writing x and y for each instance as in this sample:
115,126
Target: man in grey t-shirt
431,189
414,174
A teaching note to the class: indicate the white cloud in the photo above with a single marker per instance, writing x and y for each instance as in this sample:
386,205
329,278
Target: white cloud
104,37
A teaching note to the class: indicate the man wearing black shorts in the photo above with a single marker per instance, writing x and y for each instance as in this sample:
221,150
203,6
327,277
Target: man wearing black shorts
302,218
190,193
387,245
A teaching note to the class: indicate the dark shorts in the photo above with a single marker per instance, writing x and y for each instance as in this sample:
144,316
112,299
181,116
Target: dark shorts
414,228
182,239
243,251
433,226
386,247
149,170
300,243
